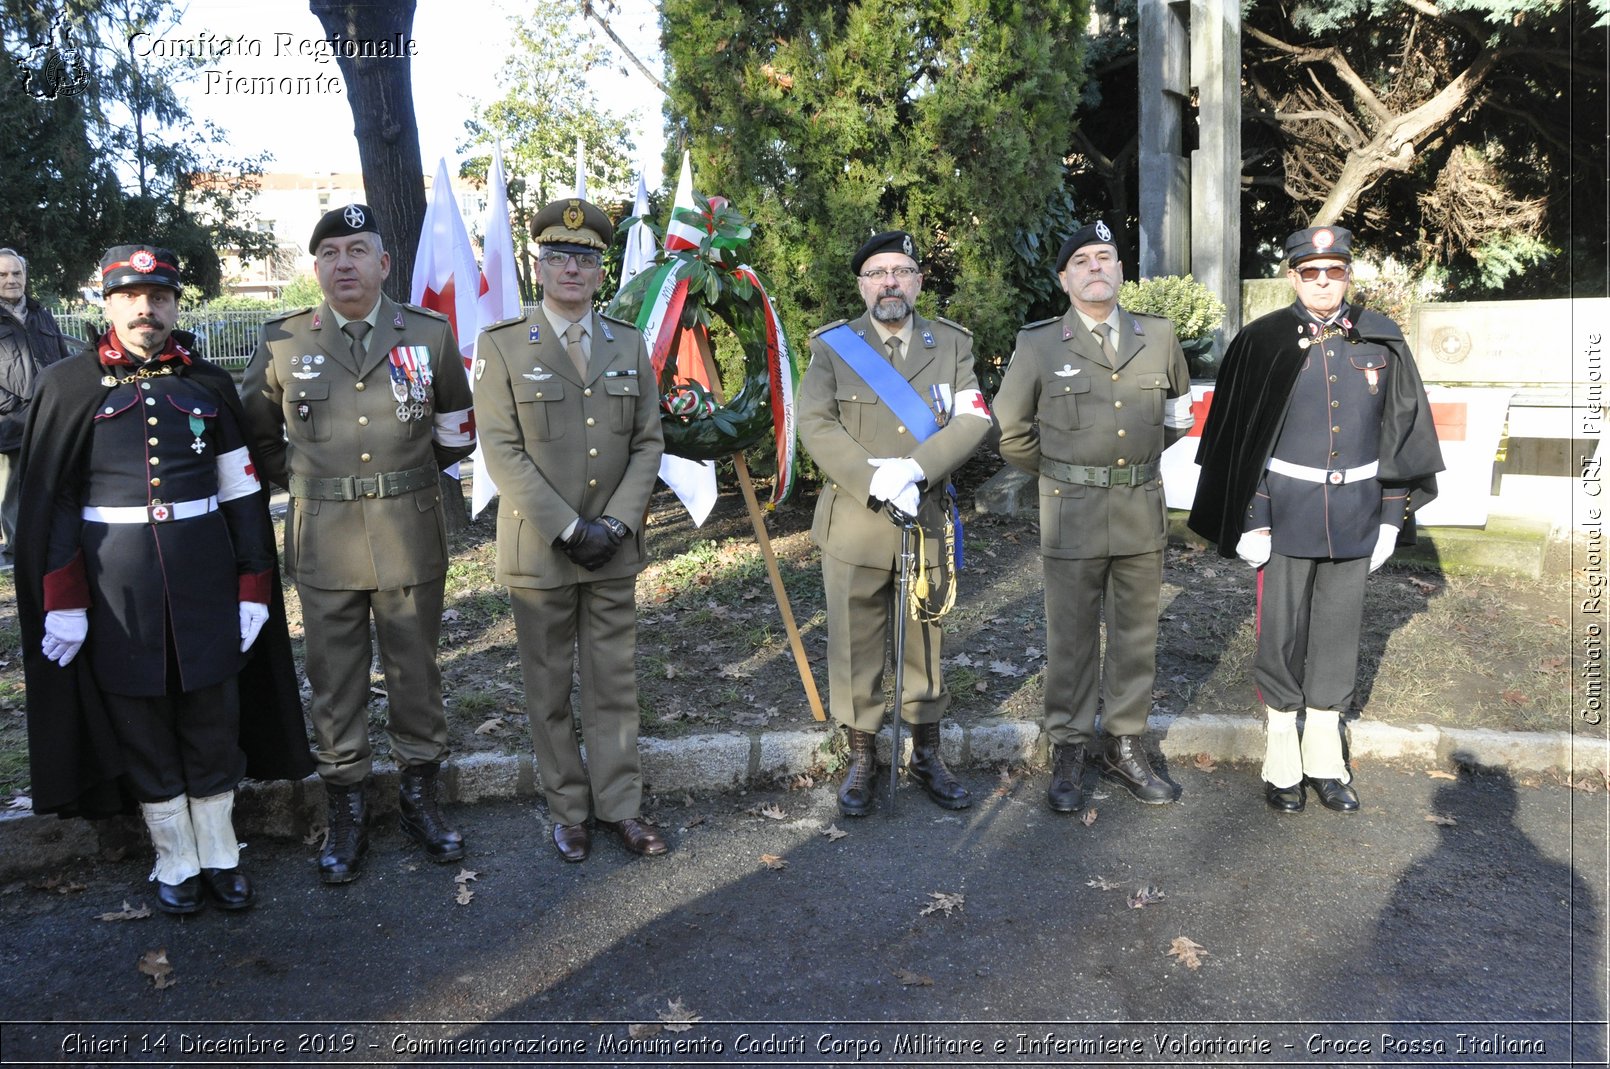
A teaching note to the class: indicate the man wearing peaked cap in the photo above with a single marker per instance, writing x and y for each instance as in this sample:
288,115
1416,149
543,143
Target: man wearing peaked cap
1318,445
570,429
355,407
145,682
889,407
1089,402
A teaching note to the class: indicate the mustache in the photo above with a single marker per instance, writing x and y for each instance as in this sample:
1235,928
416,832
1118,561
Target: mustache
146,321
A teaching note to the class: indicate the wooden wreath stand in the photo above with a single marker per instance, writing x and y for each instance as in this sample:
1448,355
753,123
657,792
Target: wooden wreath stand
701,338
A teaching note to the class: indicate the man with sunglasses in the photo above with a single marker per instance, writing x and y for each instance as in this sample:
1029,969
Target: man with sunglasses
1318,446
570,429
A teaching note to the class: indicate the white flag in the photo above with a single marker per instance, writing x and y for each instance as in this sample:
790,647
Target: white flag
640,248
499,297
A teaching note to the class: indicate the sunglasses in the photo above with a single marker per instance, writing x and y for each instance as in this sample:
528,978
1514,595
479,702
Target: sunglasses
1310,274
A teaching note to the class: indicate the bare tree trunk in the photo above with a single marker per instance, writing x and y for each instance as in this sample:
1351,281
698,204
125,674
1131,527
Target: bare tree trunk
381,94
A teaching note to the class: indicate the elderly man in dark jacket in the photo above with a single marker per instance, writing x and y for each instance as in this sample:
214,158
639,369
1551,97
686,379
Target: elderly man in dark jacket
29,340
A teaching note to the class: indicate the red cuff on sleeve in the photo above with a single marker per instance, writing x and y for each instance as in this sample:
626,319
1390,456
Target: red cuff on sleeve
66,587
257,587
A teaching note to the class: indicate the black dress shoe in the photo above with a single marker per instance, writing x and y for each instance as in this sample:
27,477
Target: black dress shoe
1123,760
637,837
1284,799
179,898
1335,795
228,887
573,841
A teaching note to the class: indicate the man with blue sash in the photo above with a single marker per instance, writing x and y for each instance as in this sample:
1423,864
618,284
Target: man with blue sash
889,407
1089,402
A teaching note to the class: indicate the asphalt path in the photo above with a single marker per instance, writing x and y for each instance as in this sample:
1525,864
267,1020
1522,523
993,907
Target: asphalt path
1002,935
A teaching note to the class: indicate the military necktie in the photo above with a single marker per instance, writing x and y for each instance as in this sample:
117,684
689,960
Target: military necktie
573,347
1103,331
893,345
356,331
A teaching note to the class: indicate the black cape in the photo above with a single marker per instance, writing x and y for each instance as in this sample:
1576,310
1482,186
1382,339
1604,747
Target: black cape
74,757
1249,406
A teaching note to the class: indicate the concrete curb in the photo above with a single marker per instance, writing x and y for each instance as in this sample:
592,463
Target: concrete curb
733,760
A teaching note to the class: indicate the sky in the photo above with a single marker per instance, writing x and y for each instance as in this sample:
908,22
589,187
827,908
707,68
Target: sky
459,46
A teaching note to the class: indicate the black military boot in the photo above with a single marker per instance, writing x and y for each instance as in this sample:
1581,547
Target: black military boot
1123,760
1066,794
421,819
341,860
928,769
861,776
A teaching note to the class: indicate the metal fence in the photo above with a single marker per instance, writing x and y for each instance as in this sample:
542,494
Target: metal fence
227,338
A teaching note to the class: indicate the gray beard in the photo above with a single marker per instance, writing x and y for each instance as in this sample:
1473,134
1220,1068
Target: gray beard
890,313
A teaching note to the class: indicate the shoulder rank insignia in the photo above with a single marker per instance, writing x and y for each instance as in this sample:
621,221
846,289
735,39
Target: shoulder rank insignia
828,326
1140,331
480,368
318,320
603,327
397,320
928,339
535,335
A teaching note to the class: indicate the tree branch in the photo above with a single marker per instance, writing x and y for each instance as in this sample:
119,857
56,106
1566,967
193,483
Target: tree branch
587,9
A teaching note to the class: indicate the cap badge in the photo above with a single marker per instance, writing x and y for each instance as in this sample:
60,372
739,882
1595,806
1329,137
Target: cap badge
143,262
353,216
573,215
907,248
1324,239
1102,231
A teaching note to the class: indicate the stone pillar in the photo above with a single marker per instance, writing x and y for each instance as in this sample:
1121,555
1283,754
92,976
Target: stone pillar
1165,179
1215,193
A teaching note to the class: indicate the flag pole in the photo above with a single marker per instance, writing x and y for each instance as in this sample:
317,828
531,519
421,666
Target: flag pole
758,521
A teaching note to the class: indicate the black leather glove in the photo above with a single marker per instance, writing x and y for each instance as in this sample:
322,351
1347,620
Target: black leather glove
592,544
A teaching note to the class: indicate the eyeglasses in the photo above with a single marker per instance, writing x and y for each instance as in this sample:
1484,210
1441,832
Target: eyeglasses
878,274
584,260
1310,274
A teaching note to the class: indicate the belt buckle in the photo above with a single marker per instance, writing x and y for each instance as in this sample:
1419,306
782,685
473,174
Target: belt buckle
1335,477
1104,478
161,513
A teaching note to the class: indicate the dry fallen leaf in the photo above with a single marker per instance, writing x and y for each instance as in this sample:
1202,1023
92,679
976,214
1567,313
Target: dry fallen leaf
943,902
449,615
466,875
802,782
677,1017
154,963
464,895
1553,664
1101,883
60,885
1005,668
643,1031
981,687
1437,773
1189,953
1088,817
1145,896
908,978
774,861
127,913
313,837
1004,787
772,812
1587,786
1439,818
493,726
22,803
1205,762
1421,585
1514,697
834,833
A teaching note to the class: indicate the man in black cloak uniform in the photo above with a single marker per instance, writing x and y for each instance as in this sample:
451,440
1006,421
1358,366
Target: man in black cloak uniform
145,542
1318,446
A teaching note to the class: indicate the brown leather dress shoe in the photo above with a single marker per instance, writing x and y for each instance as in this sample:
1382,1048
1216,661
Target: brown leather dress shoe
573,841
637,837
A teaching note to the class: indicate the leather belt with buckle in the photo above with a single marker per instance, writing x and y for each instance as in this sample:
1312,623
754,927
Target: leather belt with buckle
356,487
1089,475
160,512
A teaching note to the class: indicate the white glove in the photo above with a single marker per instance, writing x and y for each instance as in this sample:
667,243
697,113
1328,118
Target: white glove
894,476
907,500
1254,547
65,632
1384,545
253,614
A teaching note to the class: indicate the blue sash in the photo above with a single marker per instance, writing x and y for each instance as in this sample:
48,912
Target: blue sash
901,397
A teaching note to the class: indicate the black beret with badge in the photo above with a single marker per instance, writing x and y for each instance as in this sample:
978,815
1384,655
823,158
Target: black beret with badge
343,223
571,224
1316,241
139,265
1096,233
888,241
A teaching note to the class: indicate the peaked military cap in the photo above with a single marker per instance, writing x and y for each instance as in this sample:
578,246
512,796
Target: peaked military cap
572,224
1096,233
888,241
343,223
1314,241
139,265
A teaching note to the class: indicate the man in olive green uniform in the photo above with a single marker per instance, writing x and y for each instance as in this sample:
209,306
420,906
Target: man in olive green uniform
1089,402
889,407
355,406
570,430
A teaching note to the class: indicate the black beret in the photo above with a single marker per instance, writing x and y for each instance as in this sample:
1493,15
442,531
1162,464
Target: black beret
1315,241
139,265
1096,233
888,241
572,222
343,223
